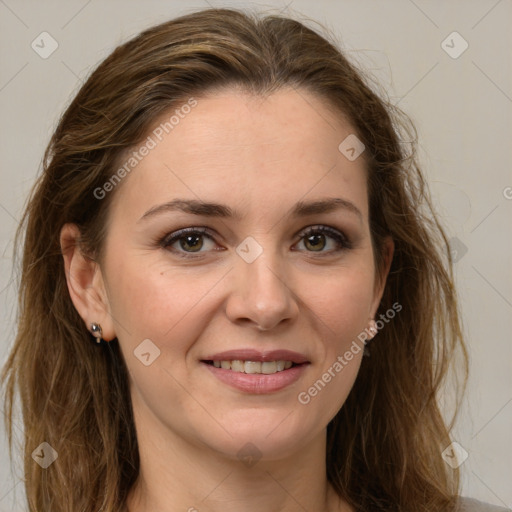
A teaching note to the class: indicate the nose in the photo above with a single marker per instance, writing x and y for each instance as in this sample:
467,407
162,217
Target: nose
260,293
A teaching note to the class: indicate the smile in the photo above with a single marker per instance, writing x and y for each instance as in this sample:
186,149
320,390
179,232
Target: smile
252,367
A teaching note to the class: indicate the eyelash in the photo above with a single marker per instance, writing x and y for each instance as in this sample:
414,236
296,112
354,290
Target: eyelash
343,243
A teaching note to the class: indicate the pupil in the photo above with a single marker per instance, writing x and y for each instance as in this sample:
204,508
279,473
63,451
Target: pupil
189,238
310,239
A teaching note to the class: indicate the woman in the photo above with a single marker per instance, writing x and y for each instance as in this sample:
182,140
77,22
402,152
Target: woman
226,217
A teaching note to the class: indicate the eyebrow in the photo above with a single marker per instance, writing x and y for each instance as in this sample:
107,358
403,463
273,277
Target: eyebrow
207,209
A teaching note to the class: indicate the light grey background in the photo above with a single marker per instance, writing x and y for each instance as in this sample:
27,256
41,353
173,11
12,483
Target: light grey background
462,108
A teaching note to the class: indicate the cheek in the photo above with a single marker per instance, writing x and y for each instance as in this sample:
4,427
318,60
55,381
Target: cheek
344,310
344,304
150,301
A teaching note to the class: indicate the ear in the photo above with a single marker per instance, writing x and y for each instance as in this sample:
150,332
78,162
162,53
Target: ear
380,280
85,283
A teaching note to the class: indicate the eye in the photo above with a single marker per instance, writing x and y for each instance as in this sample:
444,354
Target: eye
188,241
315,239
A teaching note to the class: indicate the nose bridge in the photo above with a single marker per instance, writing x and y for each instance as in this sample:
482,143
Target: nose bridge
261,293
264,276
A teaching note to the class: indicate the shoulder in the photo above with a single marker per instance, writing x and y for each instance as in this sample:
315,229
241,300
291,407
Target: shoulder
472,505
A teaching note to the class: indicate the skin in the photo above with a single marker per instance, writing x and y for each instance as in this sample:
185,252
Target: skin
254,155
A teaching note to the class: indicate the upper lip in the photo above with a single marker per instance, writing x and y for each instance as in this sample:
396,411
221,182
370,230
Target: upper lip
258,355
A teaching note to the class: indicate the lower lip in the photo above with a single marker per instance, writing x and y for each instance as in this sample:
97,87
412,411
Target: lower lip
258,383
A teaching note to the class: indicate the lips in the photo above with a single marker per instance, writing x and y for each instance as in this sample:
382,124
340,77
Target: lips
257,372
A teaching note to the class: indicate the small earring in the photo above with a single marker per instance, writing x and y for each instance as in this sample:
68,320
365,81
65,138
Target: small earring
373,330
96,332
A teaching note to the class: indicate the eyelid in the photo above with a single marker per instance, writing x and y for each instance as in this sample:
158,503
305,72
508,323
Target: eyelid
325,229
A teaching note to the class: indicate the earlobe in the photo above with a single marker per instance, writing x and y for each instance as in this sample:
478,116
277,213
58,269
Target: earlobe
85,282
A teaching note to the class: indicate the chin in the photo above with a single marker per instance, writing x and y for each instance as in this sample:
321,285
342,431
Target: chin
274,437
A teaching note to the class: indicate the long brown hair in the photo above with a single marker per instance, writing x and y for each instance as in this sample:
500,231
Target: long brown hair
384,445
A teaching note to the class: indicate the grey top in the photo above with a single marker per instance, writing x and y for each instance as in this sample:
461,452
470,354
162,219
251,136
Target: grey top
472,505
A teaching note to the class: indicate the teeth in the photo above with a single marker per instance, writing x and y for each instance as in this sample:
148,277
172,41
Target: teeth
238,366
252,367
266,368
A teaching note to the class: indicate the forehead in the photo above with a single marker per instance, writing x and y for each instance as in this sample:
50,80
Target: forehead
247,150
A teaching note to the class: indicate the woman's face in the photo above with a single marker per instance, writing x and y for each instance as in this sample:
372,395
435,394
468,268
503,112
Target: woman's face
260,283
